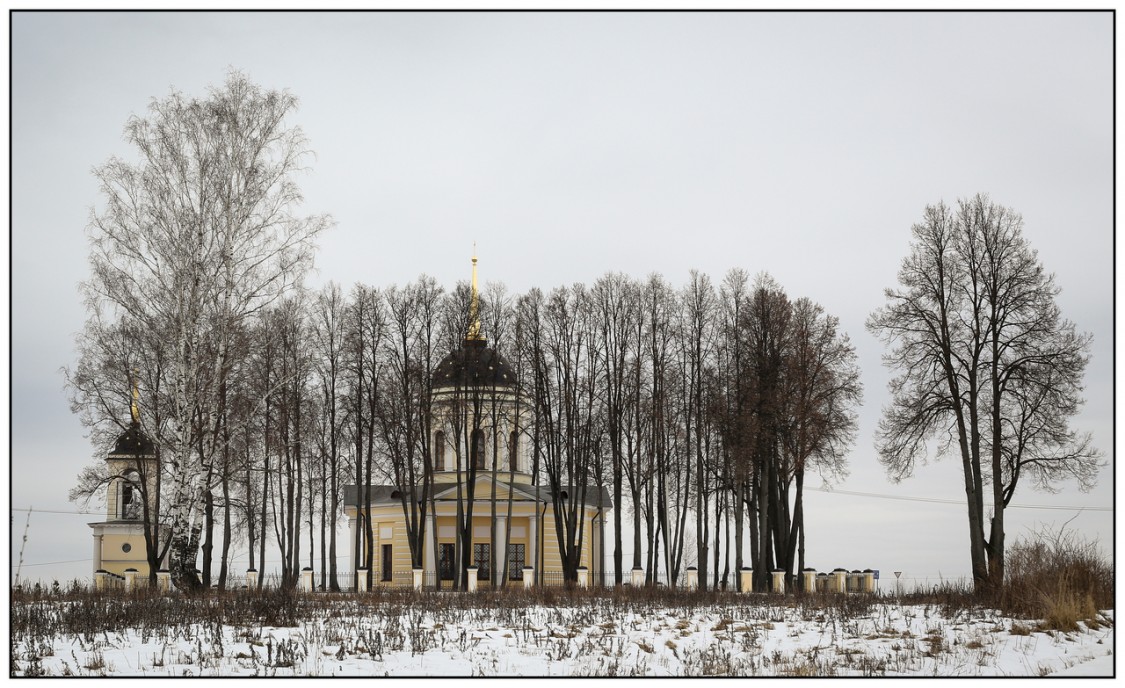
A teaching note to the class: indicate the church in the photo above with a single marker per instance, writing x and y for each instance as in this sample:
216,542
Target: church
481,456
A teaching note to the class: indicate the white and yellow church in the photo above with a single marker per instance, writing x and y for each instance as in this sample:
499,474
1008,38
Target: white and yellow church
478,404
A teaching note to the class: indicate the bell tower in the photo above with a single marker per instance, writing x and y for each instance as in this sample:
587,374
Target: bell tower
131,500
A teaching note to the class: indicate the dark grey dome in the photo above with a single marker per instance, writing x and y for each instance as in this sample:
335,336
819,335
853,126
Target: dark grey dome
475,364
133,442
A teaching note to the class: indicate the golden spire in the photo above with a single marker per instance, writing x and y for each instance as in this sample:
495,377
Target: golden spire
135,407
474,304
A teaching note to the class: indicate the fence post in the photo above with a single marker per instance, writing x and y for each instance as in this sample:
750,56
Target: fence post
417,573
307,579
691,580
778,581
746,580
251,578
361,580
638,577
528,577
583,577
163,580
822,582
808,580
472,587
869,581
100,577
839,580
130,579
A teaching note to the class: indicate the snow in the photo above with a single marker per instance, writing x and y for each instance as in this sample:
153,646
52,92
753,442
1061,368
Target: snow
584,640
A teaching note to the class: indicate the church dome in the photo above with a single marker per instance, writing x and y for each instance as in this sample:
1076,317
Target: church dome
475,364
132,443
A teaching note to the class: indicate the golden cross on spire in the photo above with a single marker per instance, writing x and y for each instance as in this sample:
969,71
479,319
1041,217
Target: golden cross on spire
135,407
474,304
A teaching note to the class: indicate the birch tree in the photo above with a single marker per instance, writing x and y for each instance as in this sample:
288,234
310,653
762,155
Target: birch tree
195,235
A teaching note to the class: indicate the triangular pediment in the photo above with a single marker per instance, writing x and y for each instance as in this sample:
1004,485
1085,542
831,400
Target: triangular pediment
482,489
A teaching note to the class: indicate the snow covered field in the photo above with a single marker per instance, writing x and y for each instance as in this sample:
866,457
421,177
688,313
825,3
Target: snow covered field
508,635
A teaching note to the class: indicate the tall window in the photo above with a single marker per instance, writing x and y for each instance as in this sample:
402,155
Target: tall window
387,563
439,451
514,450
482,557
516,561
445,561
478,449
130,495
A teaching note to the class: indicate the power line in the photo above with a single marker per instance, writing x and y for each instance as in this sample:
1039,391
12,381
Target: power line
937,500
52,563
851,493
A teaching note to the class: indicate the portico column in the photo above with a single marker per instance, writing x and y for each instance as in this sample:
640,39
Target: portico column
501,549
428,545
533,539
352,540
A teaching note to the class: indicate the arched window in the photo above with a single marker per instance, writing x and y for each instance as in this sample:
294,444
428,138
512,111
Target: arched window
514,451
439,451
130,495
477,451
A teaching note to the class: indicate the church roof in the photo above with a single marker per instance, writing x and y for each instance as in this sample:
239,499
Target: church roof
133,442
475,364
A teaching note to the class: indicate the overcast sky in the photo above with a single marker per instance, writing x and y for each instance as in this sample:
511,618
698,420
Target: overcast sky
570,145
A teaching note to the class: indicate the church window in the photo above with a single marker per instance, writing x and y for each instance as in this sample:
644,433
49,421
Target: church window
387,562
482,557
514,450
517,559
446,561
126,548
130,504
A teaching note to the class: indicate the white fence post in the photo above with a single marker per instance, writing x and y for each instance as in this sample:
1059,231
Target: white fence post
251,578
361,580
163,580
691,580
809,580
778,581
472,579
638,577
528,577
306,579
583,577
417,578
746,580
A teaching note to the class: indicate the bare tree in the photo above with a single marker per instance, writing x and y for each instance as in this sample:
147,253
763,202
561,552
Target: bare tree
985,361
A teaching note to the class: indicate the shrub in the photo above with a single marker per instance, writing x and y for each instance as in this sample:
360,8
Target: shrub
1058,577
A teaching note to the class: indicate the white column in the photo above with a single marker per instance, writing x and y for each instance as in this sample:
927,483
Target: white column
352,539
500,556
533,540
428,546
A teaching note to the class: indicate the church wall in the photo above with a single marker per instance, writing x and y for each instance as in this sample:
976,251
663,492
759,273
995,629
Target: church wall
116,561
